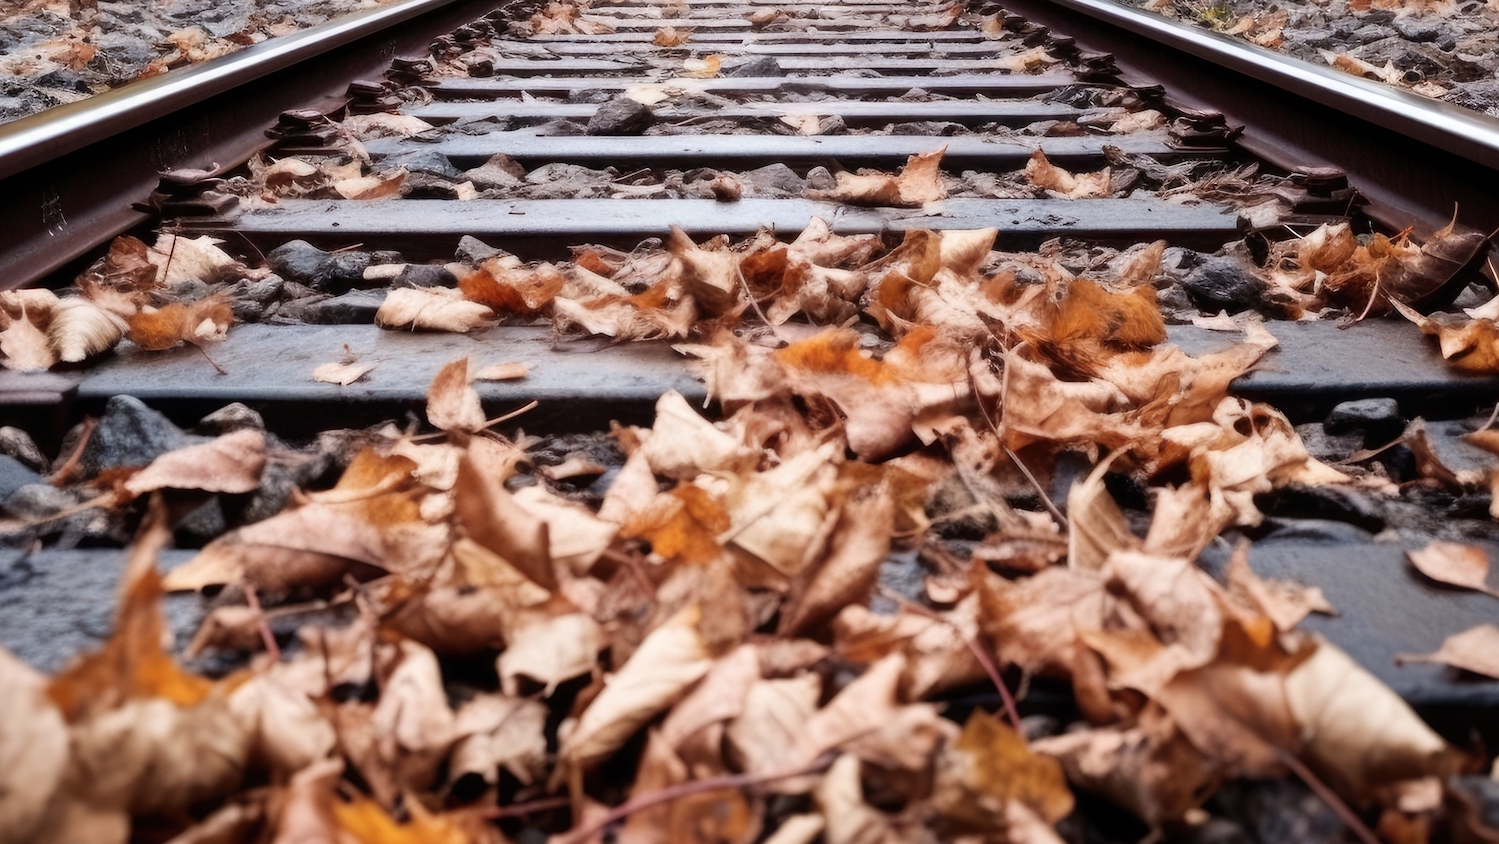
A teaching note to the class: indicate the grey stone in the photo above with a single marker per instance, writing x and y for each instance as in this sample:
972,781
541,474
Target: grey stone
14,475
759,66
205,522
129,434
1376,418
18,444
424,275
561,128
776,178
588,96
500,171
621,116
428,161
38,501
1484,792
386,256
262,291
231,417
926,128
1328,447
356,307
818,178
299,260
1420,28
56,604
472,250
1370,33
1223,284
833,125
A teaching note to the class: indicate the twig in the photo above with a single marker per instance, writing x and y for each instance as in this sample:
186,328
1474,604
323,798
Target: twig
516,810
1329,797
266,637
689,789
65,471
211,362
1041,491
973,647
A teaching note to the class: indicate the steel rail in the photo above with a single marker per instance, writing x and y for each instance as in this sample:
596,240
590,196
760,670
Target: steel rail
1471,134
68,175
1415,158
57,131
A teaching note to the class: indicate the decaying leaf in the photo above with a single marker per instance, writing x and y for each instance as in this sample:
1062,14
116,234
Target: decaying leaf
1475,649
918,183
431,309
1455,564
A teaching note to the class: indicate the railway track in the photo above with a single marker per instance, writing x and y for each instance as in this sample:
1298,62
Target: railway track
607,136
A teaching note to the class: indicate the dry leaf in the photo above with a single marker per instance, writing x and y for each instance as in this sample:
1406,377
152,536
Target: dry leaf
431,309
452,405
81,329
342,374
1455,564
1357,734
1475,649
988,768
670,36
703,68
231,463
666,664
502,372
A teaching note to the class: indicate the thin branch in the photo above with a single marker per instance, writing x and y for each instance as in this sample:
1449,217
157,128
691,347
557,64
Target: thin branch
690,789
1329,797
65,471
974,647
516,810
266,637
1040,490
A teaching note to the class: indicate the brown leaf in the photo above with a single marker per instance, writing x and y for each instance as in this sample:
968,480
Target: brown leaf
33,745
500,732
1285,602
1358,734
550,652
1096,525
1149,768
452,405
670,36
988,768
24,345
431,309
81,329
661,670
1047,176
918,183
231,463
504,285
704,68
342,374
1475,649
774,712
1455,564
503,372
490,516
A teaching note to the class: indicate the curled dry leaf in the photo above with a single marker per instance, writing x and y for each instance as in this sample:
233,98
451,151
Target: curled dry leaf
670,36
231,463
988,768
1043,174
80,329
204,321
661,670
431,309
918,183
503,372
33,749
343,374
703,68
1455,564
1475,649
1357,733
452,405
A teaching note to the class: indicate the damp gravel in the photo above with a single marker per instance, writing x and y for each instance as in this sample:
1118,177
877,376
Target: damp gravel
60,51
1442,49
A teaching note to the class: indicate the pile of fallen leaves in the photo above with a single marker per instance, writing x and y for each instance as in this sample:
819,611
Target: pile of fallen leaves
699,645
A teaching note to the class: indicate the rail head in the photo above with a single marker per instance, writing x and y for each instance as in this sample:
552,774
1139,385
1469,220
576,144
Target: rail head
50,134
1463,132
